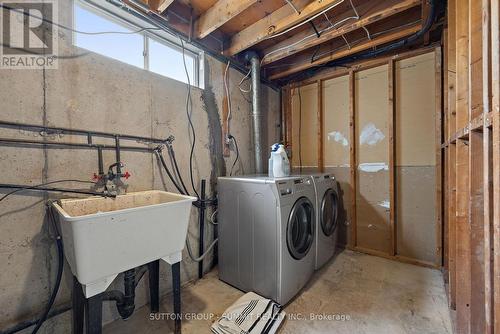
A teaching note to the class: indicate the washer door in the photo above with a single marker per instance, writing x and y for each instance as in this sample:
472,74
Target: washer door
300,228
329,212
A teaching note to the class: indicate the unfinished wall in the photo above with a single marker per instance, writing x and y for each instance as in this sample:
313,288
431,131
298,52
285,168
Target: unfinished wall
336,140
372,159
376,132
415,164
97,93
304,113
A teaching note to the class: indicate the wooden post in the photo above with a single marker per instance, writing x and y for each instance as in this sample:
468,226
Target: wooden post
439,166
321,163
392,171
352,154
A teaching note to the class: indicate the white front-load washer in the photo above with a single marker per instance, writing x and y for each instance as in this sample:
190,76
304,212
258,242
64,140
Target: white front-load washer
267,234
328,215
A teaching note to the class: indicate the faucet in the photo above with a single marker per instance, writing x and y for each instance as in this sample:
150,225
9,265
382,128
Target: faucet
112,181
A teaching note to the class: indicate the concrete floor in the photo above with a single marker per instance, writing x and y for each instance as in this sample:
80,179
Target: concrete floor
367,294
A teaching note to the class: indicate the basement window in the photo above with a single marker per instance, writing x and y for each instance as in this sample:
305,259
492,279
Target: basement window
112,35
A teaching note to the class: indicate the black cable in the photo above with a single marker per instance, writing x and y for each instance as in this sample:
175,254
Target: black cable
237,154
190,121
170,176
300,130
60,267
179,176
41,185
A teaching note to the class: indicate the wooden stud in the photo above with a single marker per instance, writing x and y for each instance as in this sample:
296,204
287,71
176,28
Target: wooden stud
321,163
352,154
392,150
439,166
495,106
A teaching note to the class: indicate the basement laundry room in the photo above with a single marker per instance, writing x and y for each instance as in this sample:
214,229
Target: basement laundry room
250,166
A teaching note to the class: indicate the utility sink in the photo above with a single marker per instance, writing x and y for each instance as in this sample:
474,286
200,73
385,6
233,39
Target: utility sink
106,236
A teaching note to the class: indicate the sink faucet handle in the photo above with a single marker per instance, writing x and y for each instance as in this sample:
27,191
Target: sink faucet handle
126,175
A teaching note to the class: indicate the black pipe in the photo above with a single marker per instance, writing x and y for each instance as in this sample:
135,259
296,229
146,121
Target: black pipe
57,130
118,157
60,266
170,176
61,190
201,216
27,142
100,161
28,323
172,155
127,308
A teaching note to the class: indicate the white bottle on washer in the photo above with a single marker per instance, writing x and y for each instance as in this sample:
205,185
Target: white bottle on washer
281,165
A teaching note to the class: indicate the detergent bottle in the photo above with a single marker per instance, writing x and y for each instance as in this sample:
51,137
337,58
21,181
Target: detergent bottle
274,148
278,163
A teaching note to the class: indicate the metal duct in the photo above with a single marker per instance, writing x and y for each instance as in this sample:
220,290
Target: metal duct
254,60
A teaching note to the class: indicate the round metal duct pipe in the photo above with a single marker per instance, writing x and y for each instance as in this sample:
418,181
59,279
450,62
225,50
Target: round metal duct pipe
254,60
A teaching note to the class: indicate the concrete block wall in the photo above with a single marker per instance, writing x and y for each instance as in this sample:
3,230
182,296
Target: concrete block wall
97,93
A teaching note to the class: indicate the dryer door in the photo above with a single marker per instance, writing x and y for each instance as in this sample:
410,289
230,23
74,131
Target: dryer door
329,212
300,228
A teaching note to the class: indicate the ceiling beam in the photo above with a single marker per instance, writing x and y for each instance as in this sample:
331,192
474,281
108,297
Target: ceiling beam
387,38
163,5
277,22
369,14
221,12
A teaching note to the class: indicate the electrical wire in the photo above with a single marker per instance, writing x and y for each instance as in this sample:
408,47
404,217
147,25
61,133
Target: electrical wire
60,267
332,26
42,185
237,154
211,219
242,80
190,121
226,86
201,257
304,22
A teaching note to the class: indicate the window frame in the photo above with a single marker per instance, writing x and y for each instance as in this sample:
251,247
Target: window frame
127,21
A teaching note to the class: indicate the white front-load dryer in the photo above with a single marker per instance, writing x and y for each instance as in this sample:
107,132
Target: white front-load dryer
327,219
267,229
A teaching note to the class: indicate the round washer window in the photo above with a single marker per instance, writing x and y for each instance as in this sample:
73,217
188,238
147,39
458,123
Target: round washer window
300,228
329,212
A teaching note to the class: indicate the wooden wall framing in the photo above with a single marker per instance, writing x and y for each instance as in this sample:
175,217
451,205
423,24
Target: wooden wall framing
319,80
472,164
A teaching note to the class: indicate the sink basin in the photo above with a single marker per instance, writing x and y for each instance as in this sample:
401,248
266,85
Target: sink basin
106,236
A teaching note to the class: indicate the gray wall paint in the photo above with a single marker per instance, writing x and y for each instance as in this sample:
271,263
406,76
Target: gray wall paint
97,93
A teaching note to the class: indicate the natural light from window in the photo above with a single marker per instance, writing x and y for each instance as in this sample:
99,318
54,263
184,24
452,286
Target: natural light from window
158,56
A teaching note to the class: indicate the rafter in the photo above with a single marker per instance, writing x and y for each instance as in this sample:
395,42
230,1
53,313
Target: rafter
369,14
387,38
277,22
221,12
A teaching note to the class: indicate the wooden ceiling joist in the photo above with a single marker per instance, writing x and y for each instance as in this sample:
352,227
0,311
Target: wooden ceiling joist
159,5
387,38
277,22
372,14
221,12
